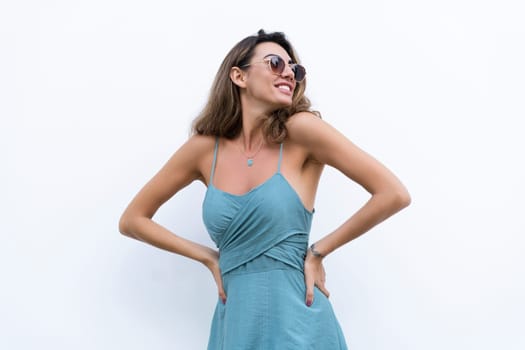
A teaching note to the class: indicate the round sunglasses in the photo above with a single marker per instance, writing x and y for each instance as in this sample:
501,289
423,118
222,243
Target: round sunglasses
277,65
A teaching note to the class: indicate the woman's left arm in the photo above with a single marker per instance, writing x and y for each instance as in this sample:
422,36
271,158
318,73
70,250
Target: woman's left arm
326,145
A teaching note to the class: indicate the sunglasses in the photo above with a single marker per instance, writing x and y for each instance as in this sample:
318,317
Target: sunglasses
277,66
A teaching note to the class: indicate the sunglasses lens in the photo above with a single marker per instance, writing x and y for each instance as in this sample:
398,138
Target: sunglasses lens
277,64
299,72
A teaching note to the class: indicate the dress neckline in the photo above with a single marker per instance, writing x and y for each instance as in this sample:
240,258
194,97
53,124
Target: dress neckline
255,189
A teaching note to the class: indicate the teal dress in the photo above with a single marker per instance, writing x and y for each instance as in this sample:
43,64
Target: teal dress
262,237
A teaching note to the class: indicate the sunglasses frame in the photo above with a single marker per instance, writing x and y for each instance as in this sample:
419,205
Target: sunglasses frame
268,60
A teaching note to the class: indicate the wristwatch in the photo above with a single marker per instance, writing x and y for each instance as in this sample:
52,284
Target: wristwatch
315,252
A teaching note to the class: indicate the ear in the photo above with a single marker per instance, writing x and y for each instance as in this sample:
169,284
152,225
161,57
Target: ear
238,77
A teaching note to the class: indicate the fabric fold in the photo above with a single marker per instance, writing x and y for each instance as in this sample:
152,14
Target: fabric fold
252,224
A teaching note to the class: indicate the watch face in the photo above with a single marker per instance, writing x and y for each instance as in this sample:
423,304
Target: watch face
315,252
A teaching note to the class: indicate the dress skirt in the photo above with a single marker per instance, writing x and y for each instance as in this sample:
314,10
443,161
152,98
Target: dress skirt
266,310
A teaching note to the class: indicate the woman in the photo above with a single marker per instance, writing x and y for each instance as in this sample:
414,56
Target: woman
260,150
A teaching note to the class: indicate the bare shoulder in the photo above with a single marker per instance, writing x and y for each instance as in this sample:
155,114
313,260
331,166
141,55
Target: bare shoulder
306,127
194,155
195,148
303,124
200,143
183,167
312,133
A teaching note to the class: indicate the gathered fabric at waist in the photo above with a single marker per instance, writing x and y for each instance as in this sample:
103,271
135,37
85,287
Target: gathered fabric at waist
287,254
261,263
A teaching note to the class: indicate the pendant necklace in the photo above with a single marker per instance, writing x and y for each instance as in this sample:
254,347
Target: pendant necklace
250,158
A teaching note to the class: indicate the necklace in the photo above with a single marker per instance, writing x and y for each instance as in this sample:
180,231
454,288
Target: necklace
250,158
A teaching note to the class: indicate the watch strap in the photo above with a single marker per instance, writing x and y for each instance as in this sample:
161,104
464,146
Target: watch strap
315,252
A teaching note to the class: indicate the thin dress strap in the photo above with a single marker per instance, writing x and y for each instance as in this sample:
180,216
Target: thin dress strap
280,158
214,160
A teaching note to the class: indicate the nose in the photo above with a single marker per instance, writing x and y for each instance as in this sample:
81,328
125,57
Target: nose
288,72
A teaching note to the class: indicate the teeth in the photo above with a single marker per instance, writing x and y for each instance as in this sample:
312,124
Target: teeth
285,87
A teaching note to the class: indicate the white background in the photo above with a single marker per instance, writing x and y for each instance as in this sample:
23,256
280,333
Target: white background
96,95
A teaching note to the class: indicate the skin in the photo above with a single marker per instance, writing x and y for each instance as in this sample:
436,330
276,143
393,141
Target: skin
310,145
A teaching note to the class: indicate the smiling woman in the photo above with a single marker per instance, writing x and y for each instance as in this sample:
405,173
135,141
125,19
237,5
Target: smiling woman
260,150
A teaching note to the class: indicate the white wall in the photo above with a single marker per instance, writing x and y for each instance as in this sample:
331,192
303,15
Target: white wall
95,96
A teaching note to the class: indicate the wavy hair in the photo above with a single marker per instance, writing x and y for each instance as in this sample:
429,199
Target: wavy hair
222,114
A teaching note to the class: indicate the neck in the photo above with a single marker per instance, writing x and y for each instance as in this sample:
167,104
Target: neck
251,136
251,140
253,116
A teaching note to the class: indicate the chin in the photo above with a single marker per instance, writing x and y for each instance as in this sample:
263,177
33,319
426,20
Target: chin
284,102
278,102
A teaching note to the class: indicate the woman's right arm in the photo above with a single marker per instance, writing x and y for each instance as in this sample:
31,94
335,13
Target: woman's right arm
184,167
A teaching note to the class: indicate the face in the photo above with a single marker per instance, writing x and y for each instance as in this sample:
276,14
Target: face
264,86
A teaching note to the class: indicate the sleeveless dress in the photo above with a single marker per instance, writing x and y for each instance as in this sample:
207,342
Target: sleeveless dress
262,237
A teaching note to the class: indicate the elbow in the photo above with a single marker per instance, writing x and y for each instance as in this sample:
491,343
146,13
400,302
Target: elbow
131,224
124,225
402,199
395,199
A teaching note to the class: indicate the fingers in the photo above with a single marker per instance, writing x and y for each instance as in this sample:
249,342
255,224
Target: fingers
310,290
314,276
309,281
222,295
321,282
323,289
220,287
217,276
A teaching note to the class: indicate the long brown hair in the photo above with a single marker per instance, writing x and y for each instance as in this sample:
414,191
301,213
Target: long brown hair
222,114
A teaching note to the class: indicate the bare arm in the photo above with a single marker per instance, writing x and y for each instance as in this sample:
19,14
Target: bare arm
184,167
180,170
326,145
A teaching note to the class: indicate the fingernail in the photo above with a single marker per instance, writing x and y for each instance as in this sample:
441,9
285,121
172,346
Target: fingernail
308,303
223,301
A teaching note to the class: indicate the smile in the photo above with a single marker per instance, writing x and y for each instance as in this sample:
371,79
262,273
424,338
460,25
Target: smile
284,87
